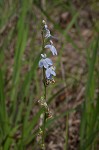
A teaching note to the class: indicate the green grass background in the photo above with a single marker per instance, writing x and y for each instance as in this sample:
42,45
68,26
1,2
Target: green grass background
19,23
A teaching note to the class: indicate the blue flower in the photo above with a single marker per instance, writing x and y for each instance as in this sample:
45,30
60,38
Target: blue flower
47,33
52,48
45,27
45,62
50,72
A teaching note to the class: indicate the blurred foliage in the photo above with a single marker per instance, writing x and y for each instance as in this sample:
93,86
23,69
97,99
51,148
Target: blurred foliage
20,79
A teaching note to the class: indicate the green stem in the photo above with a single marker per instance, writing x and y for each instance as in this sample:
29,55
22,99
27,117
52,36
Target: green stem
44,115
44,118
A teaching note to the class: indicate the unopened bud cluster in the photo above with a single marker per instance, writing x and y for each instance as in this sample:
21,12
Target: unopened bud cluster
43,104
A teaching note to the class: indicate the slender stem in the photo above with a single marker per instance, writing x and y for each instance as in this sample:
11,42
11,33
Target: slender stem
44,83
66,140
42,40
44,115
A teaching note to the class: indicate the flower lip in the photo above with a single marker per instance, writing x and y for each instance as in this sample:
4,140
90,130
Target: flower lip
50,72
52,48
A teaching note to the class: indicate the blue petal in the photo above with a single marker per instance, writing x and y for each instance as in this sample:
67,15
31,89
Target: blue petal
47,35
41,63
50,77
52,48
45,26
54,51
47,72
45,64
53,72
48,46
50,72
49,61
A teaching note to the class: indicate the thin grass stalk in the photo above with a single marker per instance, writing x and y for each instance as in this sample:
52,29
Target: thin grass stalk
89,96
89,118
67,116
66,132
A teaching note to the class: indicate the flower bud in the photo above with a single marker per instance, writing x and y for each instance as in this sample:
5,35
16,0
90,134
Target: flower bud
44,22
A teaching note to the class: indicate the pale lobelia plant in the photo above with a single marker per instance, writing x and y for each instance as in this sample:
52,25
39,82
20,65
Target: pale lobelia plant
46,65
